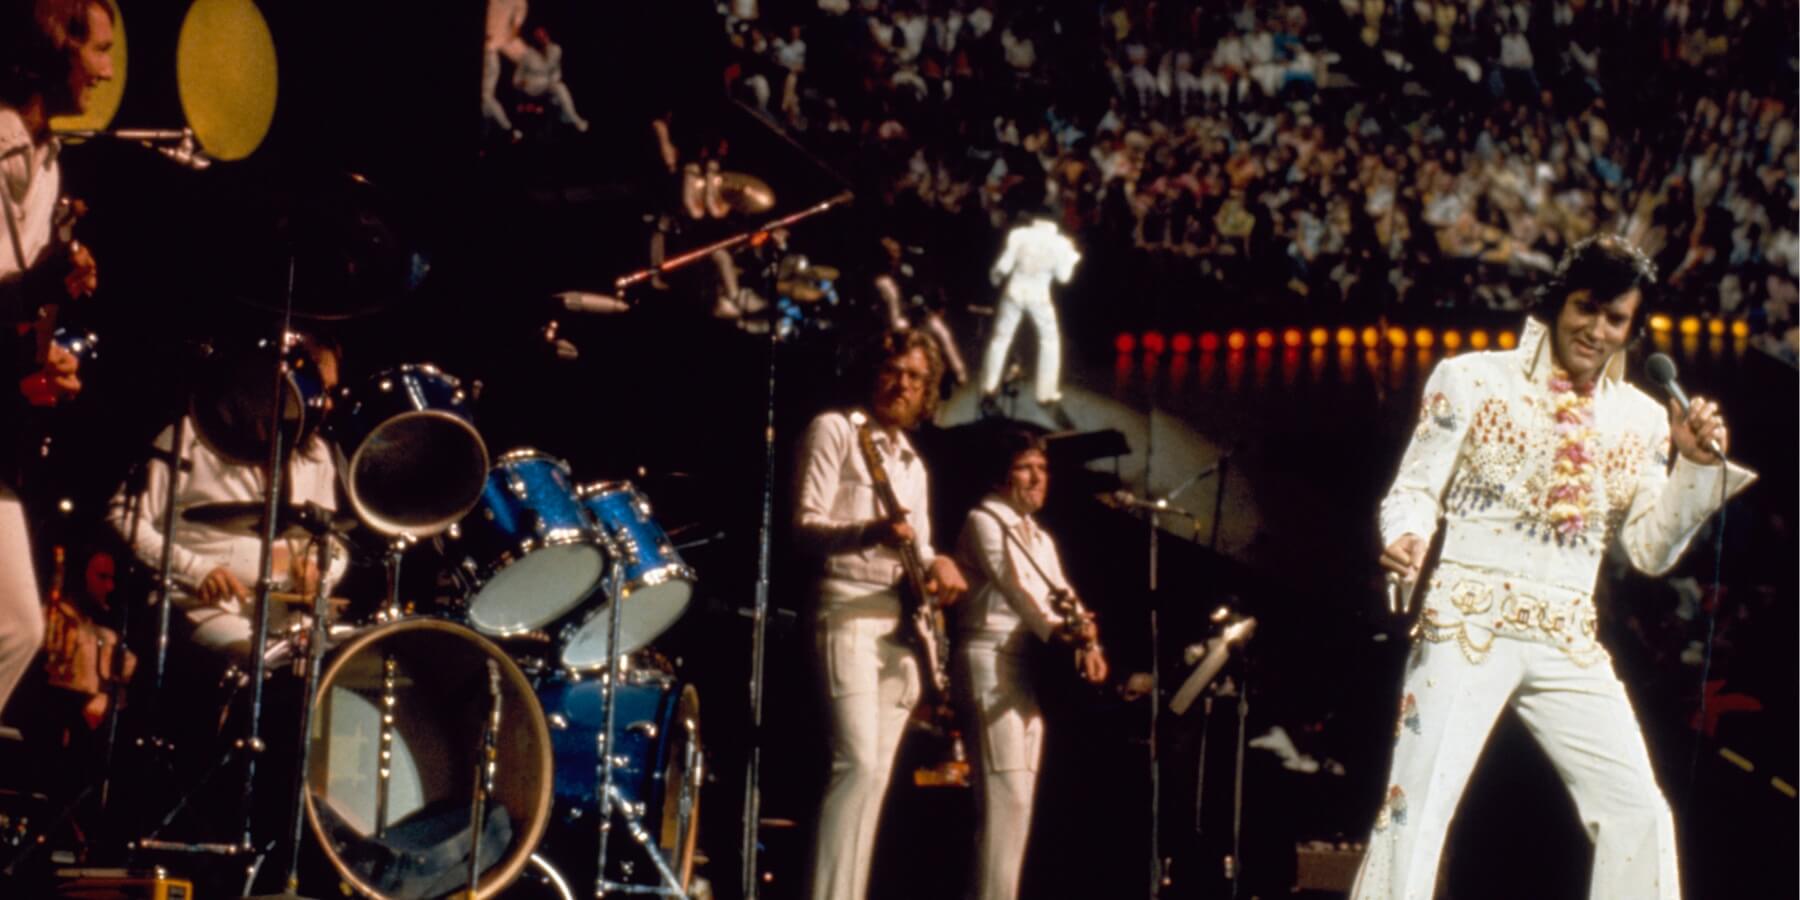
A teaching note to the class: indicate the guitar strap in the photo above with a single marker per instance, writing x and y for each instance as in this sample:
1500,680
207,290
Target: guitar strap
1007,534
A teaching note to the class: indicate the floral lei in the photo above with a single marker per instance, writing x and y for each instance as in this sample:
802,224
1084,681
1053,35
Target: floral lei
1571,479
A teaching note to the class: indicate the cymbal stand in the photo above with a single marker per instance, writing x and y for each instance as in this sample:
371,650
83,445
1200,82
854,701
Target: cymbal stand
611,800
485,767
315,653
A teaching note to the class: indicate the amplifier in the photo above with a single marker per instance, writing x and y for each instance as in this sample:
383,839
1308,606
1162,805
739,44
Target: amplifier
121,884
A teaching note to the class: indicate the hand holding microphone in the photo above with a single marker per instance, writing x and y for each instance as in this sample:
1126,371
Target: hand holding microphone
1696,427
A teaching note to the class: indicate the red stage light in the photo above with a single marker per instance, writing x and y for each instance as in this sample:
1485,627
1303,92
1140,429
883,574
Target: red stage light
1125,343
1209,341
1182,343
1153,342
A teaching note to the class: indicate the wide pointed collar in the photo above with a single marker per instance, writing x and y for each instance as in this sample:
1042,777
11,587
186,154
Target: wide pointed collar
1537,356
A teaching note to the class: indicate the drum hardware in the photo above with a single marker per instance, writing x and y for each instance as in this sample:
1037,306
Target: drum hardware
485,766
612,800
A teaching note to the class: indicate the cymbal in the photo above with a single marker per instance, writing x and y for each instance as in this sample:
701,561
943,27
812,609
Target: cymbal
801,291
746,193
335,243
247,518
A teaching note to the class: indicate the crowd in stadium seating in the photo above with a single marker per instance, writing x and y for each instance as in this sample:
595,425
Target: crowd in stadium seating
1370,153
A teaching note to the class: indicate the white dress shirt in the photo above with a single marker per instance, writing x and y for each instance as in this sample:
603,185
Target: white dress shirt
1007,594
208,478
837,499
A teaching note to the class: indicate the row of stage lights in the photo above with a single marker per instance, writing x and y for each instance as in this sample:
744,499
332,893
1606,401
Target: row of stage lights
1370,337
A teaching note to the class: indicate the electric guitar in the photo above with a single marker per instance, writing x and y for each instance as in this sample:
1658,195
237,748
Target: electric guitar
921,620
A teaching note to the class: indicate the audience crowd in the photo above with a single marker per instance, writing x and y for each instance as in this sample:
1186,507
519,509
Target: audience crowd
1364,152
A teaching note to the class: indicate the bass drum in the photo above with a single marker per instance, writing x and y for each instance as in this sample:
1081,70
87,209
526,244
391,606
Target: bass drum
397,737
657,769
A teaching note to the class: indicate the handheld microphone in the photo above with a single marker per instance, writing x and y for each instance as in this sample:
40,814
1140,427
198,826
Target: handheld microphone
1661,369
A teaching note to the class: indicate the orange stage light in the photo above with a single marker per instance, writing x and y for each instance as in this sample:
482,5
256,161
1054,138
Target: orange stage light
1265,339
1235,340
1478,339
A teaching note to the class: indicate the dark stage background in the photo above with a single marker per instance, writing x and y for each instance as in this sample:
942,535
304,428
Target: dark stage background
676,400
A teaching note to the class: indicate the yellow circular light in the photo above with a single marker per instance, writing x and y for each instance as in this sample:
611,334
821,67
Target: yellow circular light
1397,337
1715,327
1690,325
1740,329
1320,337
226,74
1661,323
1370,337
1452,340
1422,338
1507,340
1346,337
1478,339
103,100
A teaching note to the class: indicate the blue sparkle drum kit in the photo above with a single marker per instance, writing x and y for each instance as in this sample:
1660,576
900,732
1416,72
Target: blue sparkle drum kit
438,754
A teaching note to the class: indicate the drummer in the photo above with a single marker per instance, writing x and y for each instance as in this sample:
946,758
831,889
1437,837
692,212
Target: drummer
213,570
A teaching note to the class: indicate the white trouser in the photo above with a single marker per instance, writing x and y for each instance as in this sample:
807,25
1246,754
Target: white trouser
21,613
873,683
1582,719
1049,356
1010,740
229,626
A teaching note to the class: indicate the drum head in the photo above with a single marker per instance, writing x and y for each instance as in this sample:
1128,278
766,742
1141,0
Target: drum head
417,473
390,795
534,591
644,615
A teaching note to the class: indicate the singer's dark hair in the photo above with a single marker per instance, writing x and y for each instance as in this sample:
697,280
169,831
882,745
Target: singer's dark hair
1006,446
1604,266
35,37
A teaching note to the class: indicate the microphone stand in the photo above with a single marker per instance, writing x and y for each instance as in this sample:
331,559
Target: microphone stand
178,144
1156,507
759,614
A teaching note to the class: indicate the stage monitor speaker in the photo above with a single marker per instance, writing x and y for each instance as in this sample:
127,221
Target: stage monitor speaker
121,884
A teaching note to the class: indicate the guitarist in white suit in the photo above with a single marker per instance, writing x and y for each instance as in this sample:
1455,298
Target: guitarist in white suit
1019,597
52,54
873,679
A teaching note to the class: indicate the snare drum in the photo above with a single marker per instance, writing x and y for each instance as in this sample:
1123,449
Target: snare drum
657,769
528,551
411,459
655,585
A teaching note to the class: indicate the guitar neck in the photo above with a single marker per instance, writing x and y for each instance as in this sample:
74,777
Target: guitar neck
910,560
